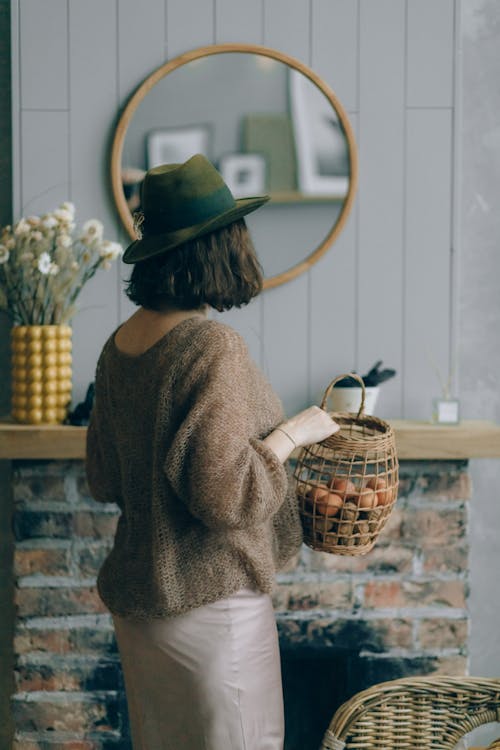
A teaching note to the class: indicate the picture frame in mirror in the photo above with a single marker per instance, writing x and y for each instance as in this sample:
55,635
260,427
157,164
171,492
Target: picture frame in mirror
243,173
176,145
322,151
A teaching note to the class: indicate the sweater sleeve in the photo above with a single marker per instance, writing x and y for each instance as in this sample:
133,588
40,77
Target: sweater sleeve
100,461
217,463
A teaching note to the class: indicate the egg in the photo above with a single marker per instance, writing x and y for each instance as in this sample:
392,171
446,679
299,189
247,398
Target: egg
342,486
367,498
325,502
329,504
313,494
384,495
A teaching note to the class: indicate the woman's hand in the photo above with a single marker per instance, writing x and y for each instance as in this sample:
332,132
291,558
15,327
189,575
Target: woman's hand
309,426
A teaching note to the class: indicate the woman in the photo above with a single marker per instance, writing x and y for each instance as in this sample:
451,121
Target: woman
188,438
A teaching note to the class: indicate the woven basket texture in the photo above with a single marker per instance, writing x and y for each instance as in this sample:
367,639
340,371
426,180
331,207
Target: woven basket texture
347,484
422,713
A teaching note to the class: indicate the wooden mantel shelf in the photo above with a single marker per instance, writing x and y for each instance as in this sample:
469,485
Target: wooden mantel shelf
415,440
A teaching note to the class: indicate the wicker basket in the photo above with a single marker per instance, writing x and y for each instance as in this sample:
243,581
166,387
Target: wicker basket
347,484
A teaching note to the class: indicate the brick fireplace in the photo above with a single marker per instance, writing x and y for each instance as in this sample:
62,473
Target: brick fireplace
344,623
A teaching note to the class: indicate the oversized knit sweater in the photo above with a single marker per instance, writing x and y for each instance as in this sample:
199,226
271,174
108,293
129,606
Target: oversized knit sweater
175,439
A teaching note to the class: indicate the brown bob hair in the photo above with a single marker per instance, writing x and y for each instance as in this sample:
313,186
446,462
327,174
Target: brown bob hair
220,269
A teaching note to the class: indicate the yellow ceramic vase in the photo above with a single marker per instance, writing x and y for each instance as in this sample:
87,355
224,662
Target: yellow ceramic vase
41,373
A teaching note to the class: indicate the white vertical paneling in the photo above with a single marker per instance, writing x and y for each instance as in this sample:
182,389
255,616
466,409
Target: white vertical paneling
352,302
44,160
293,35
333,312
456,186
238,21
141,48
15,33
332,334
381,192
333,321
242,21
430,53
141,43
286,355
93,107
44,54
335,47
190,24
427,299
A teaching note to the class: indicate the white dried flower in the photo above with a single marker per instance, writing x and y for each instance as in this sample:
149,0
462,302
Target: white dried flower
110,250
44,263
61,214
106,264
22,227
64,240
74,266
92,230
48,221
69,207
11,243
53,269
33,221
4,254
36,236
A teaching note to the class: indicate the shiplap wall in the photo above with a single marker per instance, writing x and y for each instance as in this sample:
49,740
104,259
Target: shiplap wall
386,288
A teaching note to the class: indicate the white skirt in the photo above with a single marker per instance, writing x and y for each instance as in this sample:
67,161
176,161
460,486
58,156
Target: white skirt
209,679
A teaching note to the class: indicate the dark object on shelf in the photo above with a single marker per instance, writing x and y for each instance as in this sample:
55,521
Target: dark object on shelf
80,415
375,376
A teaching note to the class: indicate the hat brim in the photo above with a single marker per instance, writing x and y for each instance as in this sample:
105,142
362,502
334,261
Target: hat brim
160,243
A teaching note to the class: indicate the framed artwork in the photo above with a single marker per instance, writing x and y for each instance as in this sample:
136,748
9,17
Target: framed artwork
271,134
321,145
176,145
244,174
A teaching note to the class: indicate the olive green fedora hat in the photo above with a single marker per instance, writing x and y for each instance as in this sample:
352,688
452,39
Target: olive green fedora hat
183,201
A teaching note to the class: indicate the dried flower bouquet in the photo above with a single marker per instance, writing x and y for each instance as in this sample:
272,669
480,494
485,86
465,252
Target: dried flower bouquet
44,263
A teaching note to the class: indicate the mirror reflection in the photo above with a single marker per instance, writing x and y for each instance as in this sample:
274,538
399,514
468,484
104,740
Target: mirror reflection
268,128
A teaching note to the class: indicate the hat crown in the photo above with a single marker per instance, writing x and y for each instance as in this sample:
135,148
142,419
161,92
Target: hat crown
175,196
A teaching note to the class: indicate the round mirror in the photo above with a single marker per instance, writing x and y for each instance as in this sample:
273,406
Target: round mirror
268,123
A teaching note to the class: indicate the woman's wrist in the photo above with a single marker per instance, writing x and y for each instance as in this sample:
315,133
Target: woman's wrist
285,432
281,442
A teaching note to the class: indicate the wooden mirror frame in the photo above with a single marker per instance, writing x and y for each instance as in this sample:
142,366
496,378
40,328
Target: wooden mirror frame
216,49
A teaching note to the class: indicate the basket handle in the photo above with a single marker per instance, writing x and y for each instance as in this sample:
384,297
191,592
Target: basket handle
354,376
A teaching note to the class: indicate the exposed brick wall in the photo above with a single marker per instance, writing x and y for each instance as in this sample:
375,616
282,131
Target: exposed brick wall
399,610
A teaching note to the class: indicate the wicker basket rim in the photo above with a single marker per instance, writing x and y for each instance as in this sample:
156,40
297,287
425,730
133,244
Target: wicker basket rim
384,432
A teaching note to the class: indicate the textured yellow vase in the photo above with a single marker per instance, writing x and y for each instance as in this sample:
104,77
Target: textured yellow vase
41,373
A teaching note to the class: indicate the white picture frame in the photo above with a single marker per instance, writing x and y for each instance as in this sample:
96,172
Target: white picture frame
244,174
177,144
320,143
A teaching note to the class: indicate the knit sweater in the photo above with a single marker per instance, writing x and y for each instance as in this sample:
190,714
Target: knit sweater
175,440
